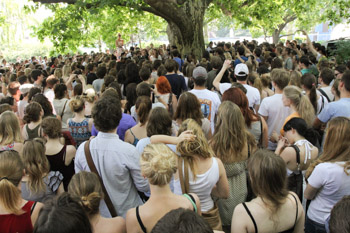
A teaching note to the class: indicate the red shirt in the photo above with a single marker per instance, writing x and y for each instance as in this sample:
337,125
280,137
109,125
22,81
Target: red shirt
10,223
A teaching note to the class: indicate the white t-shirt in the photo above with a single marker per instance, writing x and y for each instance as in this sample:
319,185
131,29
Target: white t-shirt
328,91
50,95
321,103
21,107
333,185
252,94
273,108
210,103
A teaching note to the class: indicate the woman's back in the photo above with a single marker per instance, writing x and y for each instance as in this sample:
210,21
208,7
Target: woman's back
108,225
286,218
206,178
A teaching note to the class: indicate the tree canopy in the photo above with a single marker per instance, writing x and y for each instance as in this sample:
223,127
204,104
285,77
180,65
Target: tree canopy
86,22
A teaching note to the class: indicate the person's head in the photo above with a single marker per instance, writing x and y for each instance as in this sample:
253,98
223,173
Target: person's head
23,79
37,75
145,73
5,107
188,107
339,220
241,72
86,187
339,71
10,101
9,128
335,89
182,221
238,97
267,173
51,81
297,127
304,62
33,112
90,95
132,73
58,73
77,104
163,86
62,214
216,62
11,173
276,63
292,96
106,113
170,65
51,127
66,70
32,92
308,83
326,76
336,144
36,164
344,85
159,122
143,107
241,50
158,164
230,132
13,89
78,89
200,76
143,89
45,104
295,78
101,72
60,91
199,146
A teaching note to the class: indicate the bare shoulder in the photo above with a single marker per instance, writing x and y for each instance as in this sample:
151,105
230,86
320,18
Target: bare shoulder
71,150
112,225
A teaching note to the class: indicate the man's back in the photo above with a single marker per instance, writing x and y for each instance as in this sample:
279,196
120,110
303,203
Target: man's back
177,83
118,165
335,109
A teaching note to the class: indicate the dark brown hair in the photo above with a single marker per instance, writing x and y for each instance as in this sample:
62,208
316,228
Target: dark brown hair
189,107
159,122
51,127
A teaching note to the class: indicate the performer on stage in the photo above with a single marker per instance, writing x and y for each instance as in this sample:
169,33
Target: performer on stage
119,44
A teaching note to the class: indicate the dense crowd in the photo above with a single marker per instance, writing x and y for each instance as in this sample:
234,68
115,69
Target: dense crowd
250,137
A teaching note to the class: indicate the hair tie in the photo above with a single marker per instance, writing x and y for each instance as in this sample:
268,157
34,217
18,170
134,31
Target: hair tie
313,84
4,178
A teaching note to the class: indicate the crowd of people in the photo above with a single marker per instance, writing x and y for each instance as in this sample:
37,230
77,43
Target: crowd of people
250,137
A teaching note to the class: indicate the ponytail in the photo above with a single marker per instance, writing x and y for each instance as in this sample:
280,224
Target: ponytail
143,106
309,81
306,110
11,172
313,97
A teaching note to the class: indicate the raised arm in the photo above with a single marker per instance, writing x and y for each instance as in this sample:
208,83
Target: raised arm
217,80
309,43
186,135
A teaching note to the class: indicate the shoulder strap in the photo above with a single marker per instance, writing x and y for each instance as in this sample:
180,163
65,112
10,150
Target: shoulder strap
297,150
251,216
296,216
261,133
192,200
248,150
94,170
139,220
324,94
64,107
184,179
33,207
170,100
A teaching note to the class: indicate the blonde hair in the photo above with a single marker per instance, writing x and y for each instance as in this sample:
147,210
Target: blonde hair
197,147
301,103
27,72
36,164
9,128
158,163
231,134
11,173
295,78
337,145
58,73
66,70
77,104
86,187
89,95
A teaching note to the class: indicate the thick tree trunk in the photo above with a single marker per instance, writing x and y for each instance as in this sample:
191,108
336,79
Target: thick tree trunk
276,36
185,24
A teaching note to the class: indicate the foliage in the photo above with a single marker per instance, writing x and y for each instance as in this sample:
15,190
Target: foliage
73,26
342,51
25,50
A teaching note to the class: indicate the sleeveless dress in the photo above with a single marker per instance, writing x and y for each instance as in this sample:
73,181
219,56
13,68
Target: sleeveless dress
57,164
79,130
33,133
10,223
237,181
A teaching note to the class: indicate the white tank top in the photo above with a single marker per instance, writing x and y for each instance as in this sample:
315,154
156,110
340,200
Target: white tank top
202,186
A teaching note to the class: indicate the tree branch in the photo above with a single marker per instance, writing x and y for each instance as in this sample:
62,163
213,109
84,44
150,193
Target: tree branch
56,1
286,35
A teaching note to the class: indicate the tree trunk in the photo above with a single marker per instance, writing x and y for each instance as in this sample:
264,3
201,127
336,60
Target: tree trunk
276,36
185,24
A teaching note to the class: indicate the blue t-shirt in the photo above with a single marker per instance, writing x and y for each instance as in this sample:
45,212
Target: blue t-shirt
180,62
237,61
335,109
